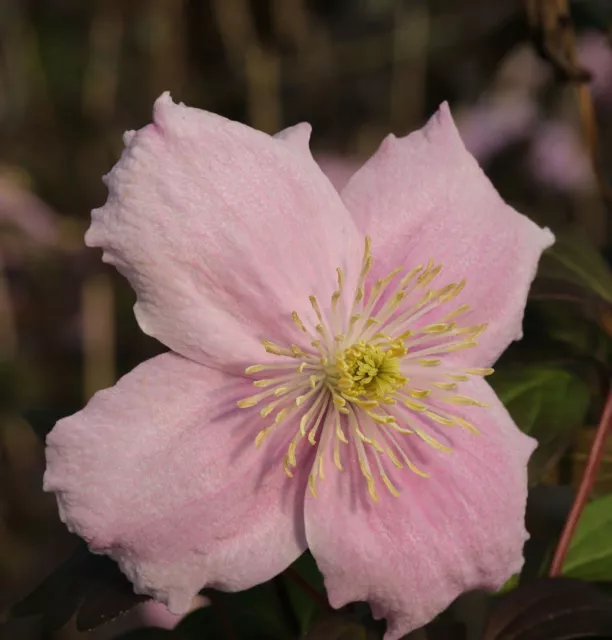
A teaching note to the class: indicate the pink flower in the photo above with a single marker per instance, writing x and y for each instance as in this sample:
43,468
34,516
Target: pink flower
559,158
595,54
29,221
370,436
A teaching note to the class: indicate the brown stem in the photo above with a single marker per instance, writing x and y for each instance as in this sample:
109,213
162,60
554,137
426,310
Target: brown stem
584,490
551,20
305,586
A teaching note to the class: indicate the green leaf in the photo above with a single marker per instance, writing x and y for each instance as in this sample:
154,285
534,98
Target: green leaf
252,614
590,554
304,606
574,259
510,584
546,403
89,585
336,627
570,325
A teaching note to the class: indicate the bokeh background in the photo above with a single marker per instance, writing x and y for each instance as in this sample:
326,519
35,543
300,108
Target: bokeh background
525,87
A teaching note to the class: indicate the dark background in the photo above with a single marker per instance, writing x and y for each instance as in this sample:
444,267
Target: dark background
75,74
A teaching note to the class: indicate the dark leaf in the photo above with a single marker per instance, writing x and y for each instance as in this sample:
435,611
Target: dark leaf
547,510
551,288
303,604
551,609
226,622
205,622
336,627
548,403
108,595
446,630
88,584
581,328
255,613
59,595
573,259
151,634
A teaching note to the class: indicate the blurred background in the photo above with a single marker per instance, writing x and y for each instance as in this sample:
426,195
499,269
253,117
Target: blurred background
529,84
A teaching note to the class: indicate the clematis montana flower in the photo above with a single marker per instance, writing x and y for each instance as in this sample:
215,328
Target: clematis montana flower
324,387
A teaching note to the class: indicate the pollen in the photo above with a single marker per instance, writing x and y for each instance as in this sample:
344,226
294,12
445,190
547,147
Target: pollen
371,373
368,370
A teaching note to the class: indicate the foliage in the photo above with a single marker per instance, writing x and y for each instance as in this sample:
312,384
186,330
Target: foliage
590,554
548,404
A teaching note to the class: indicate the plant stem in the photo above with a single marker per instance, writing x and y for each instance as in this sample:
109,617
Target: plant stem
584,490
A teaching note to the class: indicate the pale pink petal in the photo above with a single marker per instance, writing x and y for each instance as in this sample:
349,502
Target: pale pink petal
298,136
424,196
223,231
161,473
460,529
154,614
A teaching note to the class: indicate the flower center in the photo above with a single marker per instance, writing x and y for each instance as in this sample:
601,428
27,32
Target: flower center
368,370
375,376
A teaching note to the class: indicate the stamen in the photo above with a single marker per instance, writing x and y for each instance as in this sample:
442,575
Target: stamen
337,304
429,363
318,464
480,372
456,313
298,322
340,437
463,400
405,458
274,349
364,465
374,379
313,431
432,442
381,469
321,327
440,419
305,420
266,382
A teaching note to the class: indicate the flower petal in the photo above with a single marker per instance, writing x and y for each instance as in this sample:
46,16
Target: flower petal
161,473
425,197
223,231
460,529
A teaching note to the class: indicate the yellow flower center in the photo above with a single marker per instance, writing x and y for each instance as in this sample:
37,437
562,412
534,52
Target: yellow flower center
374,376
366,369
